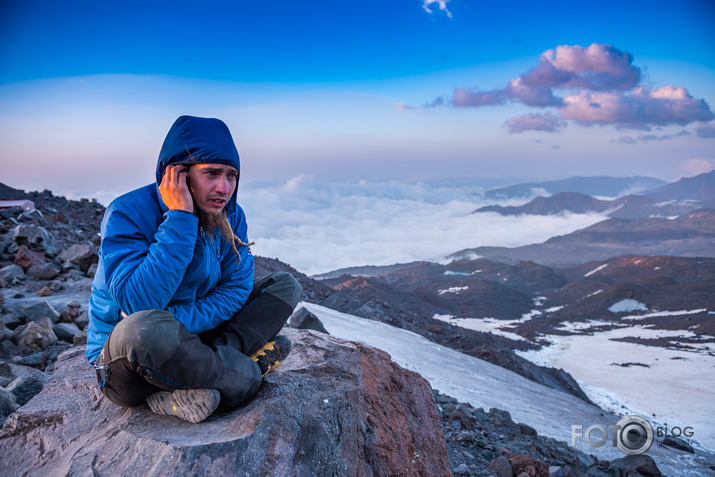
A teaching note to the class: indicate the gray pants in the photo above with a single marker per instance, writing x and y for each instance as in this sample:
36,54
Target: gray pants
149,351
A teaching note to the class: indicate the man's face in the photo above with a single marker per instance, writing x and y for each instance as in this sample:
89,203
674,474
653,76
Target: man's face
212,185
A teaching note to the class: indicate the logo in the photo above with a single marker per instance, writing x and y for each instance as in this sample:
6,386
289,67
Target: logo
633,435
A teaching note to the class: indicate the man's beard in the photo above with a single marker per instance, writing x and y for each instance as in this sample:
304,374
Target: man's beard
211,222
218,221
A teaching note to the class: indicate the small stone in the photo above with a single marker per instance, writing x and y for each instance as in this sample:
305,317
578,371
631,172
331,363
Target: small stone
27,258
80,339
41,310
82,320
45,271
462,469
44,291
34,360
83,255
501,467
304,319
66,331
26,387
8,404
36,335
12,320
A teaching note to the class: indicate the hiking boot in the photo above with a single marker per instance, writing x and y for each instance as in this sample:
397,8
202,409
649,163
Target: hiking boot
272,354
193,405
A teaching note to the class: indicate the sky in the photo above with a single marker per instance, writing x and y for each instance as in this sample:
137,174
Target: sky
337,108
485,91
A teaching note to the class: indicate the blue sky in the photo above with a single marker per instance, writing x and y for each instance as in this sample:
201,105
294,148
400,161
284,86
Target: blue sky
350,91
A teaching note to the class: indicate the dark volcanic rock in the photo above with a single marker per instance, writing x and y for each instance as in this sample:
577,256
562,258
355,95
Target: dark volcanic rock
333,408
83,255
305,320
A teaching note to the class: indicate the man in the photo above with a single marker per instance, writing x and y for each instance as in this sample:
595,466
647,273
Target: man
176,317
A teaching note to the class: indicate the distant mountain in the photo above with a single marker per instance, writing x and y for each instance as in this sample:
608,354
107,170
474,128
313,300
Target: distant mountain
628,207
555,204
596,186
690,235
700,187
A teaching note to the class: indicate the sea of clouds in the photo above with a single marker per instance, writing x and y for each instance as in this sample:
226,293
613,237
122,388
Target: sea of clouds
317,226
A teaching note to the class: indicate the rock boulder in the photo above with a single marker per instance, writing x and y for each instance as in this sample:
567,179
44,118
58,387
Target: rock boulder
333,408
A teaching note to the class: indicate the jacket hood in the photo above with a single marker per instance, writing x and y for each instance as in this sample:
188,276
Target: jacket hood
193,140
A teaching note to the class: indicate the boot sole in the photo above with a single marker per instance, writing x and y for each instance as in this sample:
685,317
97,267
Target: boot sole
193,405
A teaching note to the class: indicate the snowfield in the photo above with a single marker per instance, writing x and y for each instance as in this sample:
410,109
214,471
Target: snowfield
552,413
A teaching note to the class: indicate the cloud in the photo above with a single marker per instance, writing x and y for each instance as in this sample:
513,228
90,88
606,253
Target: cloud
474,98
439,101
402,106
538,96
640,109
643,138
627,140
441,3
317,227
535,122
596,68
705,131
601,86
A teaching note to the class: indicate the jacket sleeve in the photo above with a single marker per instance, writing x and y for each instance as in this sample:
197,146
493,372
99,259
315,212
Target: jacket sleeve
143,273
228,296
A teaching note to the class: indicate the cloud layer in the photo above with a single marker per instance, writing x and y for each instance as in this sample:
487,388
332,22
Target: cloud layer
602,87
317,227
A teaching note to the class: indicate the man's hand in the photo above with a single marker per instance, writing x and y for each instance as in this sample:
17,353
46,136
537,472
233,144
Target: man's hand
174,189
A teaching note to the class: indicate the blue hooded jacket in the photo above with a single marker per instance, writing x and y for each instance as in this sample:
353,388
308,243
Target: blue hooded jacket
155,258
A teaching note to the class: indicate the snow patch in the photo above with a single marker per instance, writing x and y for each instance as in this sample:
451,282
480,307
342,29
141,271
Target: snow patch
598,269
485,325
664,313
626,305
450,272
595,293
453,290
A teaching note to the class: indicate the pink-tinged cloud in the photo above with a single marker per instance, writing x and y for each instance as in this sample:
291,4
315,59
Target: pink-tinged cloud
532,95
595,68
535,122
706,131
640,109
